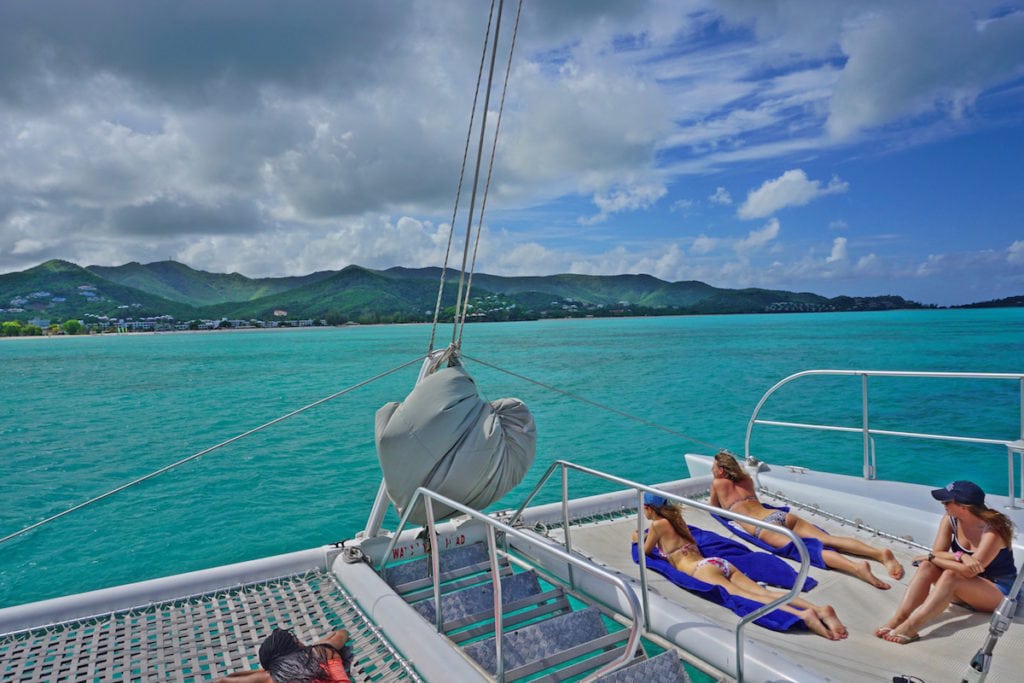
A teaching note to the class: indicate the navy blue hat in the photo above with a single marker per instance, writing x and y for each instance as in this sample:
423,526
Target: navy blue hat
654,500
963,492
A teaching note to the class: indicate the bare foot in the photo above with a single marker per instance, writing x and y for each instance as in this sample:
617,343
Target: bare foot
863,571
828,615
892,564
816,625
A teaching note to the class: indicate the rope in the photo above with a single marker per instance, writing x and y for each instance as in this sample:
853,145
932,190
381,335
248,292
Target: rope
462,175
173,465
490,166
476,173
616,411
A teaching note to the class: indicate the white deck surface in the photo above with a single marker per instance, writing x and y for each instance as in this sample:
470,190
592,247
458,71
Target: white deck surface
942,654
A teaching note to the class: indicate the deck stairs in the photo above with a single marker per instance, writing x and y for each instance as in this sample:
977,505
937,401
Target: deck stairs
548,633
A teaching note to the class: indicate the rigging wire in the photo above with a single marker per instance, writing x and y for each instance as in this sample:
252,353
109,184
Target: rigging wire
173,465
582,399
462,175
490,166
476,173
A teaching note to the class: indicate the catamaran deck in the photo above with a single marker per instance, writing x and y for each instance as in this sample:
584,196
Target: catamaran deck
943,652
200,638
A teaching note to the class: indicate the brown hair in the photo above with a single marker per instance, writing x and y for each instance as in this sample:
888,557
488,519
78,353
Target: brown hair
996,520
674,515
731,468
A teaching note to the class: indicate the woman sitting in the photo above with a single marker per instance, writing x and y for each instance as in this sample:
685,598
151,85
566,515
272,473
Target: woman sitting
670,534
733,490
971,561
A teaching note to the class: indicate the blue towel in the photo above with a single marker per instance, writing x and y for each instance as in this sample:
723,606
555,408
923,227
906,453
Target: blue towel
756,565
814,546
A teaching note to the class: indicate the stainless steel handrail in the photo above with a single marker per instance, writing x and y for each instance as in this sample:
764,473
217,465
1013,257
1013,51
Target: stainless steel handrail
565,466
1013,446
493,526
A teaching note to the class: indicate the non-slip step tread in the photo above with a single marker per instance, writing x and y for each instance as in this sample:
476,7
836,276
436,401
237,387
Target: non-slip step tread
663,668
540,640
479,599
458,557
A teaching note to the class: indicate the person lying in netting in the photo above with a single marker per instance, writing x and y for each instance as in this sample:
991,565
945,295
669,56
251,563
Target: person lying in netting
285,659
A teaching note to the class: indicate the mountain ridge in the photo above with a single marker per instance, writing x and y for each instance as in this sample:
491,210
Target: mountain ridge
61,289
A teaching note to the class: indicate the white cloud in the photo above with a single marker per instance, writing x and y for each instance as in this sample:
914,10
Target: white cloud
792,188
631,198
721,197
1015,253
758,239
917,58
703,245
838,251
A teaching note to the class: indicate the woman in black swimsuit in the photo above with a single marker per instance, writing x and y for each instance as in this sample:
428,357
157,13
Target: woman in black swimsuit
971,561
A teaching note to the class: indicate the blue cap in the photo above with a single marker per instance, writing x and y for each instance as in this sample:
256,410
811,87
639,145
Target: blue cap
654,500
963,492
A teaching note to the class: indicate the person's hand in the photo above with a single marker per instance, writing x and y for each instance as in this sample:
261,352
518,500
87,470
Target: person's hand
635,536
973,566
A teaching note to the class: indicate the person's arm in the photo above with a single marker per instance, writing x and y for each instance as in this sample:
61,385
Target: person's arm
941,556
715,498
335,639
653,534
975,563
257,676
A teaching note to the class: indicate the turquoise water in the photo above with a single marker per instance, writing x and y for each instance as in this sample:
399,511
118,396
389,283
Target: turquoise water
80,416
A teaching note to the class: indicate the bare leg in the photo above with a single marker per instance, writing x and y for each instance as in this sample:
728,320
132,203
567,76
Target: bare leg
847,544
859,568
977,592
917,592
820,620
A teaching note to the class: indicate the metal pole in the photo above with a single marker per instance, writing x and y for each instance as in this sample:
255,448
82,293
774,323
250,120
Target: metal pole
565,522
869,470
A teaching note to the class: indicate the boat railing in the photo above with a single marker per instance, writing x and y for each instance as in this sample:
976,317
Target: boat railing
493,528
564,467
1013,446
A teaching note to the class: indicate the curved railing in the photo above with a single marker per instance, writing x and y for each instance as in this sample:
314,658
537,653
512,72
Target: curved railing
494,526
640,489
1013,446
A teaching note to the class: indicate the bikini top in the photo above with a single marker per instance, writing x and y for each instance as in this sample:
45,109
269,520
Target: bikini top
1001,566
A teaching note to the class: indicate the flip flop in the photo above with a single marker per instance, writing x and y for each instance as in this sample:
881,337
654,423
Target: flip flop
900,638
882,631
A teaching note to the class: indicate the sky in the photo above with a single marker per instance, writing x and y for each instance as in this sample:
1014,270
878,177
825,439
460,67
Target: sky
854,147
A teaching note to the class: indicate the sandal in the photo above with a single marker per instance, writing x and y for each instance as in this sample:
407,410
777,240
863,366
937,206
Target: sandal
882,631
901,638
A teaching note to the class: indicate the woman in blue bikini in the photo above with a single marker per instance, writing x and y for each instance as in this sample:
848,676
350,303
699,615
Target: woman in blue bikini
670,534
733,489
971,561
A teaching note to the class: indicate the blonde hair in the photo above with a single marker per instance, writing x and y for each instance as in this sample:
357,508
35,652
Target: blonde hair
731,468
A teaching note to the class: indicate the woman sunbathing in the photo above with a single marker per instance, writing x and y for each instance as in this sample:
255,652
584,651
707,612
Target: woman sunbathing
733,489
670,534
971,561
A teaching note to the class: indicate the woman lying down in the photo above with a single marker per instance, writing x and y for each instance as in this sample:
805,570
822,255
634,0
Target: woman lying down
670,535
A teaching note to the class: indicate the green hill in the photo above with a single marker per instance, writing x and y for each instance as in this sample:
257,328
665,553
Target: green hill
178,282
58,290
